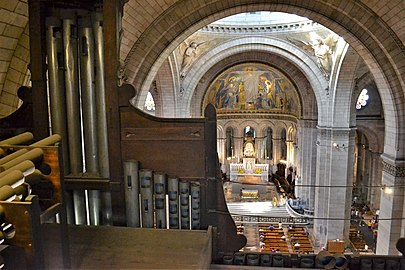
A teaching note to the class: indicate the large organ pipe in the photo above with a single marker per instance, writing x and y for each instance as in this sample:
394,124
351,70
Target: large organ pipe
33,155
184,188
7,193
131,168
51,140
173,194
26,167
86,41
146,187
88,95
100,95
56,82
101,115
12,179
12,156
70,44
195,205
159,188
16,140
72,94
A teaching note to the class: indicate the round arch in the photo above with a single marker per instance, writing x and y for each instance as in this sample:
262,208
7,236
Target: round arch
372,38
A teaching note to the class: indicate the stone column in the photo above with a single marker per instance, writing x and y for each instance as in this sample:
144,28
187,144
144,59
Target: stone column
290,153
306,165
334,180
276,151
258,149
391,206
375,177
221,150
238,151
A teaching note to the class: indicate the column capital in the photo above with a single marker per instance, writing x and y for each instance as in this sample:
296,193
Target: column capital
308,123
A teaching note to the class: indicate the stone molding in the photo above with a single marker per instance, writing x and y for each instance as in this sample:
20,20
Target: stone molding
394,170
308,123
251,115
266,28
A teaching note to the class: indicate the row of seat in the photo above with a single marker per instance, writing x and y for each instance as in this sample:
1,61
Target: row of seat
272,239
357,239
299,240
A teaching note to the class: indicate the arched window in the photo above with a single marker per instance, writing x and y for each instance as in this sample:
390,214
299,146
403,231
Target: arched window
283,138
230,147
149,105
249,149
268,141
362,99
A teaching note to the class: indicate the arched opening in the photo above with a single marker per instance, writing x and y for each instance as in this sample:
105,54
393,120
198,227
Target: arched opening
360,38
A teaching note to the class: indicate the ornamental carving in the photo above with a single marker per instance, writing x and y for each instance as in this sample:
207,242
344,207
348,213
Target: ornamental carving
396,171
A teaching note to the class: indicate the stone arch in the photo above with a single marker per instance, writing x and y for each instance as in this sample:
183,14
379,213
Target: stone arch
166,97
371,36
260,45
342,96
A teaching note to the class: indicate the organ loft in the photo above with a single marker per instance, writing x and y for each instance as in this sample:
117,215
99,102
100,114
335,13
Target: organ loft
200,134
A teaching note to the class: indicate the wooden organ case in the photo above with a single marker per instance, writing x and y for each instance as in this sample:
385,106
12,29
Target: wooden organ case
185,148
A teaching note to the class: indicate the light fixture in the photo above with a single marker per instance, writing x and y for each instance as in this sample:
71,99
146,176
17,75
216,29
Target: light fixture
387,190
343,146
337,146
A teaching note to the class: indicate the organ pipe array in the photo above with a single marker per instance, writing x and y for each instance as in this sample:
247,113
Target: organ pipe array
25,169
154,200
77,102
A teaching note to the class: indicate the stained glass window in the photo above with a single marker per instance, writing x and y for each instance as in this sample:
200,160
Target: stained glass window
362,100
149,103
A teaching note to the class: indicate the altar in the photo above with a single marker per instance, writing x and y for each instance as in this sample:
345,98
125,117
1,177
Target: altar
249,170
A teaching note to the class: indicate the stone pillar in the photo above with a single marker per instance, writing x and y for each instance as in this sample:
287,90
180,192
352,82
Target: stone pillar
334,180
306,165
221,151
238,151
258,149
376,178
290,154
276,149
391,206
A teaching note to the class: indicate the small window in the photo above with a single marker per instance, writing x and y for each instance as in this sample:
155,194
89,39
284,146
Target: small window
149,104
362,100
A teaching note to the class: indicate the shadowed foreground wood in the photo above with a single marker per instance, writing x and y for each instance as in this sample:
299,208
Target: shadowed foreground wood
132,248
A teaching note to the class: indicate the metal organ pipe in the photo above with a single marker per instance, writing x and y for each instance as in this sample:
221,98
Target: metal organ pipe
100,95
86,42
195,205
56,82
159,182
145,178
72,94
184,204
101,114
70,45
131,177
173,194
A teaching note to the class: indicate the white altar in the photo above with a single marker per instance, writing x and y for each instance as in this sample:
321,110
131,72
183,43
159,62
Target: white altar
249,167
